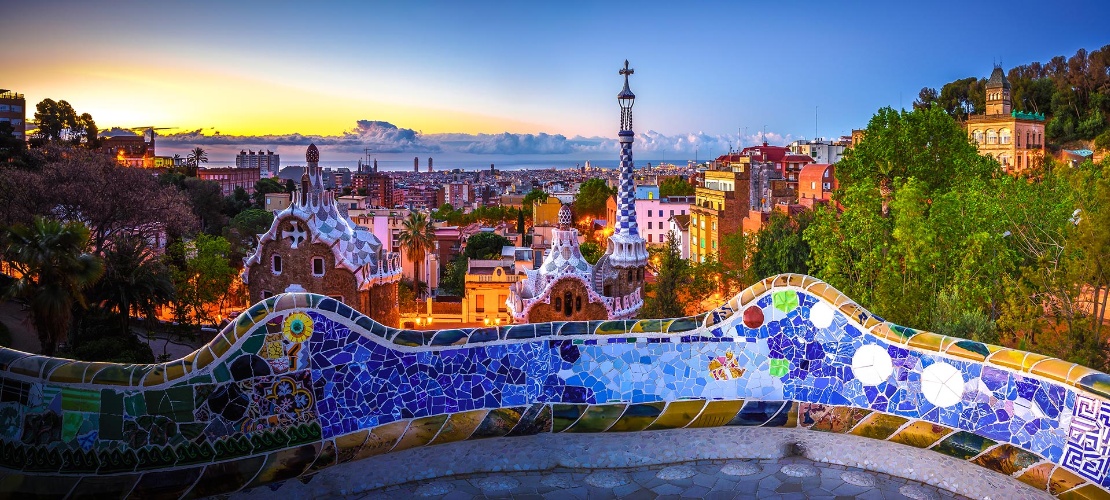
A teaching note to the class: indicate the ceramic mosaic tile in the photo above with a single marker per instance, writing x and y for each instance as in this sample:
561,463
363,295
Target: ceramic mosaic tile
301,382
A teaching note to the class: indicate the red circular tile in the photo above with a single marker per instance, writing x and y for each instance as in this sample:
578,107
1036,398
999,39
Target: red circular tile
753,317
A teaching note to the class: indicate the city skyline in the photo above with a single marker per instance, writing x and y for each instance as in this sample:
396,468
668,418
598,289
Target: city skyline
460,80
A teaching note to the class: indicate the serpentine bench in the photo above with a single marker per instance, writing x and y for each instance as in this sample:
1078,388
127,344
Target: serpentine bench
301,382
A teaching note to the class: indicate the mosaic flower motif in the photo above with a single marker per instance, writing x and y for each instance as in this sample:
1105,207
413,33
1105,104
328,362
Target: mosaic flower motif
288,396
786,300
725,367
297,328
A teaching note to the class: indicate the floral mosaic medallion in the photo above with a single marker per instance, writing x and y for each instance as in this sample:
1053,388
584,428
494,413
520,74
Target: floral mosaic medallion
298,327
786,300
725,367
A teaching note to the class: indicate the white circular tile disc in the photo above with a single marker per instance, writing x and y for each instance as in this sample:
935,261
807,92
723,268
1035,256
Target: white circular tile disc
872,365
821,314
942,384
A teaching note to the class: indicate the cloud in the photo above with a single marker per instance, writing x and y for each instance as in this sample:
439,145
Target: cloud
385,137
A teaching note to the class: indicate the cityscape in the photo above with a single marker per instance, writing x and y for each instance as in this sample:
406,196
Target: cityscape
875,272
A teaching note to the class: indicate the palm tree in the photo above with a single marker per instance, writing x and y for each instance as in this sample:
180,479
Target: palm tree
53,269
197,156
417,237
134,280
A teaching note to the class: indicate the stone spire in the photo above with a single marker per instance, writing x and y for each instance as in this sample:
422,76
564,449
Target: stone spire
627,248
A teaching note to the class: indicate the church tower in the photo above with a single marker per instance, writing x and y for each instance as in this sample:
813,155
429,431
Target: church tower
998,93
627,251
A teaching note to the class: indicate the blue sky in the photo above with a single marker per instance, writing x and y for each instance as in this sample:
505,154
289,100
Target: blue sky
714,68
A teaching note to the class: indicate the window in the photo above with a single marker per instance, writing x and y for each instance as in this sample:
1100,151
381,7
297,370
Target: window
480,303
17,108
17,121
577,303
568,304
672,213
992,137
275,265
660,213
1004,136
649,238
662,239
977,136
813,185
317,266
683,212
4,107
502,301
649,224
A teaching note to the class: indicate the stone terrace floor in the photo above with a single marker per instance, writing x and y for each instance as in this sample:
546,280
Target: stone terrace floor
787,478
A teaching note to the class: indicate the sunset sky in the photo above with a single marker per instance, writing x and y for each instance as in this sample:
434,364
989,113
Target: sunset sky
523,68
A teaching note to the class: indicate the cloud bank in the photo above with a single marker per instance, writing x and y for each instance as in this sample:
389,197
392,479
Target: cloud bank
385,137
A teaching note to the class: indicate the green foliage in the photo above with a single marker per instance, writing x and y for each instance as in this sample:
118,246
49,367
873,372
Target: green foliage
675,186
591,251
485,245
264,187
453,279
203,277
208,203
486,215
417,237
244,229
592,197
1074,94
135,279
196,156
664,298
534,196
237,202
54,271
780,247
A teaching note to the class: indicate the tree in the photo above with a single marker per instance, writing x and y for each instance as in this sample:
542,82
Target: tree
208,204
533,196
237,202
74,184
780,247
135,279
926,99
675,186
664,298
592,198
57,121
263,187
245,227
54,269
591,251
203,277
417,236
196,156
484,245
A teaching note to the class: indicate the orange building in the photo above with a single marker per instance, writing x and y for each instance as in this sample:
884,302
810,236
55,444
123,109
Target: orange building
1014,138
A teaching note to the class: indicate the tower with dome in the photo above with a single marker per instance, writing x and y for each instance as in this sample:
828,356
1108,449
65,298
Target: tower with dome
566,287
313,247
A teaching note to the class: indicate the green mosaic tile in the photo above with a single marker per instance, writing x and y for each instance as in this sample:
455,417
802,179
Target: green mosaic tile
135,404
565,415
71,423
638,417
1007,459
779,367
113,375
221,373
598,418
254,342
72,373
963,445
80,400
785,300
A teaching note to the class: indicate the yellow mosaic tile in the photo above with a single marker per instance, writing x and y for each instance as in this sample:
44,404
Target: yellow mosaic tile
1079,371
460,426
420,432
204,358
717,413
93,368
1006,458
1087,492
30,366
1032,358
638,417
382,438
598,418
677,414
219,346
883,331
921,434
347,446
72,373
955,349
747,296
176,370
807,281
1009,358
1063,480
879,425
1037,475
243,326
1053,368
792,415
927,341
156,376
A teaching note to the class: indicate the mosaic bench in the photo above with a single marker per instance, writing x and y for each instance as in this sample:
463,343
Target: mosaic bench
301,382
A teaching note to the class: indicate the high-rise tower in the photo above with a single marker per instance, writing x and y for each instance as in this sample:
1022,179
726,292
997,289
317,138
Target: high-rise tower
627,251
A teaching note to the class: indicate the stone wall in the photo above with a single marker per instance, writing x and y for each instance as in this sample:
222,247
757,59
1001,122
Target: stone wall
296,266
301,382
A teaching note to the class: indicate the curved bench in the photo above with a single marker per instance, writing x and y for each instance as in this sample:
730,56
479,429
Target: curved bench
301,382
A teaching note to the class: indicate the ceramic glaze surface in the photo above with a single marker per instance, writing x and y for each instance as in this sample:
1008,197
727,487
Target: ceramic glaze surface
301,382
